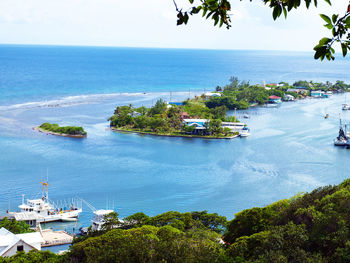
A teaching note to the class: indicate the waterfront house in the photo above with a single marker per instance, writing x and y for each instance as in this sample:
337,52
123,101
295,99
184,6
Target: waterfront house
201,125
274,99
318,94
11,243
288,97
209,95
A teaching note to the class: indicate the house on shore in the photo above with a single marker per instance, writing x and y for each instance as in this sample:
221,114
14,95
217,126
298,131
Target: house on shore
274,99
201,125
30,218
10,243
318,94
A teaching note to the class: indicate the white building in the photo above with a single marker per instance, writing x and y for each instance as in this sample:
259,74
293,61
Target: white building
209,95
201,124
11,243
288,97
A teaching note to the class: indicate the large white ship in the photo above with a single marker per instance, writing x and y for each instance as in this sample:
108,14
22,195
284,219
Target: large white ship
44,210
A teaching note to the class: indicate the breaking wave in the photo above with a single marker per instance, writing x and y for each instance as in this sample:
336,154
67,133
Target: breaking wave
84,99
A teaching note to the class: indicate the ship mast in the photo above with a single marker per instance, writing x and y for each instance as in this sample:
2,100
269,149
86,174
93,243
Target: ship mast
45,192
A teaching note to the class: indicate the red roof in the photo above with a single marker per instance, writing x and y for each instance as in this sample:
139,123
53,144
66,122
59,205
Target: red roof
273,97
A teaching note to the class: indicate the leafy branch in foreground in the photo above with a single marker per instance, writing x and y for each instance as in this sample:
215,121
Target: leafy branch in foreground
218,10
339,27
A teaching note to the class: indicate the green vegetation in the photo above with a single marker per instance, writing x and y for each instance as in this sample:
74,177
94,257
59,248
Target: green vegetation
219,12
34,257
163,120
311,227
327,86
16,227
70,130
240,94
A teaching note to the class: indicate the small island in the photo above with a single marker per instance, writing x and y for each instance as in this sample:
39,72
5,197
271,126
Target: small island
66,131
191,118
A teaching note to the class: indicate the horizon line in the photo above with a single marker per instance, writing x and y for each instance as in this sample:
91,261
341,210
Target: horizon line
142,47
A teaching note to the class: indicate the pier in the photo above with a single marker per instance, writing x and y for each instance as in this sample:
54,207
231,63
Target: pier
55,238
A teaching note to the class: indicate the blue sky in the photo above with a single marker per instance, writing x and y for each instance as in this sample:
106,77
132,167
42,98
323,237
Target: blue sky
152,23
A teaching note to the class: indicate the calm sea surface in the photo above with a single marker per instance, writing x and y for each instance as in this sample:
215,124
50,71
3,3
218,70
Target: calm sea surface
290,149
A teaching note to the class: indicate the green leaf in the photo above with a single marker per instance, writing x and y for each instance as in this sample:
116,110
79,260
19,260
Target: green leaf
307,2
285,12
276,12
347,21
326,18
334,18
344,49
191,1
329,2
324,41
185,18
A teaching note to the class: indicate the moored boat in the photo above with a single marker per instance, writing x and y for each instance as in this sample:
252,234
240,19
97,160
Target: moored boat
48,211
343,138
345,107
244,132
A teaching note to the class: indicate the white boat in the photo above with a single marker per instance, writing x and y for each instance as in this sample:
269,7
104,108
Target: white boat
48,211
343,136
99,219
244,132
341,142
345,107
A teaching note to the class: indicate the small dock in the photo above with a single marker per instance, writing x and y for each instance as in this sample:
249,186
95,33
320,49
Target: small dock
55,238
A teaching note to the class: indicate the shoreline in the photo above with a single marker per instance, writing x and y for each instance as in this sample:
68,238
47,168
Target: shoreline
170,135
58,134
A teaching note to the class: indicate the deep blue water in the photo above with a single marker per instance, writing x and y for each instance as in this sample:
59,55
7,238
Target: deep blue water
31,73
290,149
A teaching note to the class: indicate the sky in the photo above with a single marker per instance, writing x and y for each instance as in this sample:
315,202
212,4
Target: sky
152,23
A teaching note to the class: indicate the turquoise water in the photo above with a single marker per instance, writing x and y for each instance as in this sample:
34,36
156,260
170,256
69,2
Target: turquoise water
290,149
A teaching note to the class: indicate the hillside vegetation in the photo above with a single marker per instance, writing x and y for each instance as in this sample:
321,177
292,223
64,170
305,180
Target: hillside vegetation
311,227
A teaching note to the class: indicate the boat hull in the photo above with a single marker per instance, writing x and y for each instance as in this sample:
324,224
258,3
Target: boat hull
66,216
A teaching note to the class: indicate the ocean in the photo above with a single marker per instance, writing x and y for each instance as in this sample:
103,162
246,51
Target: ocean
289,151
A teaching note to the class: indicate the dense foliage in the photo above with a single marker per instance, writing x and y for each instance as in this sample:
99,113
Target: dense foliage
16,227
310,227
71,130
192,237
34,257
167,119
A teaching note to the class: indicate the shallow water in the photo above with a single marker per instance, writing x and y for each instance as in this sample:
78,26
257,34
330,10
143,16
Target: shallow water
290,149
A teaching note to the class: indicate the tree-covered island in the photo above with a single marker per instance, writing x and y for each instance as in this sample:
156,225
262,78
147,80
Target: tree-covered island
191,118
206,115
66,131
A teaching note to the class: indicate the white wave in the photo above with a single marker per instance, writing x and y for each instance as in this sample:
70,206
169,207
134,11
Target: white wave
83,99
